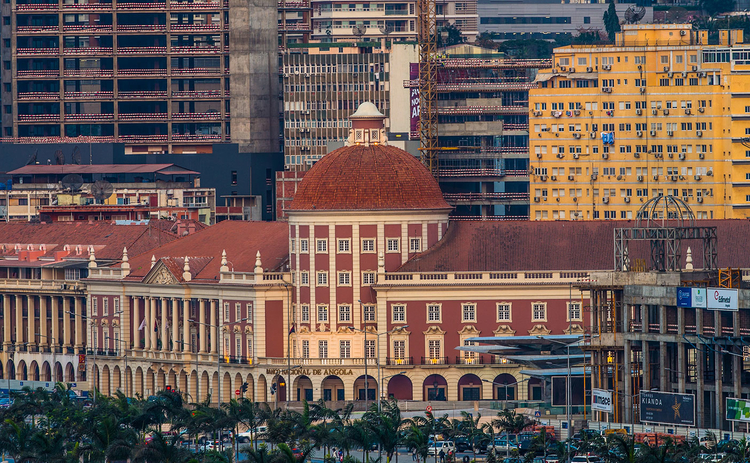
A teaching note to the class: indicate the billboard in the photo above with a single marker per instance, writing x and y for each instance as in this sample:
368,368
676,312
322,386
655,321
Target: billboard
722,299
738,410
691,298
601,400
414,104
667,408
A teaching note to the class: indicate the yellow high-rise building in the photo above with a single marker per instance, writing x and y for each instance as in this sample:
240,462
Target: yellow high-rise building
660,112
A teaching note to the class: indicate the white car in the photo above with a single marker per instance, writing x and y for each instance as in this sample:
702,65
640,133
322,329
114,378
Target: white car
446,446
208,446
247,436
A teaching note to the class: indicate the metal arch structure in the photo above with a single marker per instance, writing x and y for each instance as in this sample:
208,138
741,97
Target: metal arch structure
428,114
665,221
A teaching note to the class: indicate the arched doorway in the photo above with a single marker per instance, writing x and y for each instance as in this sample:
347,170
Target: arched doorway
280,383
400,388
104,381
215,388
58,376
23,373
117,379
204,391
333,388
70,372
34,371
138,382
359,388
129,382
470,387
504,387
238,382
2,371
435,387
150,383
182,384
11,369
46,372
250,394
226,388
303,388
262,389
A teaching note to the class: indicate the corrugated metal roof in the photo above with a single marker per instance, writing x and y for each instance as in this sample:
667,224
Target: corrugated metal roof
43,169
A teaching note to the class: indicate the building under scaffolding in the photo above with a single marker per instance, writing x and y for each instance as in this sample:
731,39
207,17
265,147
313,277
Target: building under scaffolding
642,339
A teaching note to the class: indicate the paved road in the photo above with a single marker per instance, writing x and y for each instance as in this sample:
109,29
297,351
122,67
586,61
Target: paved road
403,456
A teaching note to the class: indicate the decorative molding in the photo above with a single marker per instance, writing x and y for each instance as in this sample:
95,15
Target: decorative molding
237,329
302,330
344,330
504,330
575,328
104,322
115,322
469,329
248,329
322,327
398,331
539,330
160,275
434,330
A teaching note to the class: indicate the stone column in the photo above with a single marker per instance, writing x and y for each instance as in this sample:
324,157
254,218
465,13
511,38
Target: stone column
214,327
663,363
56,321
186,325
152,324
79,323
67,338
44,340
19,320
163,328
31,321
646,365
176,326
202,327
7,337
136,323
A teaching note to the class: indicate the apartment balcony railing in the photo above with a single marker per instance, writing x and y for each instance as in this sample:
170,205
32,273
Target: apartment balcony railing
36,285
235,359
141,116
195,27
196,50
37,51
435,361
36,6
295,27
142,6
199,116
143,138
88,51
143,94
727,331
37,28
196,6
191,137
141,50
471,173
88,95
469,85
653,327
141,27
636,327
690,329
516,173
88,72
461,360
317,361
472,110
399,361
87,27
88,6
38,73
38,117
193,71
199,93
672,328
493,197
89,117
709,331
515,126
39,96
136,72
294,4
744,332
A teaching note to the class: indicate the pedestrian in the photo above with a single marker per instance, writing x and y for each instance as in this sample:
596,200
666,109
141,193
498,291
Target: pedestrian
414,454
341,456
442,456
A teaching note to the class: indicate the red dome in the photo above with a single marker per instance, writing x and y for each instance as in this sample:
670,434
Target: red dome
375,177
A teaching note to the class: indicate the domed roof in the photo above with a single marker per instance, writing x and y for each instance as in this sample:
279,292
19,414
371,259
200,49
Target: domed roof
374,177
367,110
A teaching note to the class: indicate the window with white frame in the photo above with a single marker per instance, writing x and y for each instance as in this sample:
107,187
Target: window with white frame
293,245
503,312
105,306
345,279
468,312
344,245
238,346
368,278
322,278
345,349
433,313
415,244
399,350
322,313
249,308
368,313
72,274
306,349
369,349
321,245
539,312
304,245
368,245
249,346
304,278
574,311
226,312
323,349
399,313
305,313
434,349
345,313
237,311
95,306
392,245
116,305
469,354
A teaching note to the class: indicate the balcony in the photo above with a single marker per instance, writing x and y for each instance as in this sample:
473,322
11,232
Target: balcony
36,6
294,4
141,116
195,27
196,6
486,197
141,27
196,71
196,137
139,72
399,361
435,361
196,50
38,73
141,50
40,285
141,6
317,362
88,95
143,94
89,117
88,6
235,360
142,138
88,72
39,96
37,28
88,51
87,28
461,360
199,93
302,27
470,173
38,117
198,116
37,51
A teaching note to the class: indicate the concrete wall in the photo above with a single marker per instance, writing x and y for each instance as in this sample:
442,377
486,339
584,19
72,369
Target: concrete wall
402,55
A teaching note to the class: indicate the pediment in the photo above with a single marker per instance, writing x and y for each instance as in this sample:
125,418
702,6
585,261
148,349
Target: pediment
469,330
539,330
504,330
434,329
575,328
160,275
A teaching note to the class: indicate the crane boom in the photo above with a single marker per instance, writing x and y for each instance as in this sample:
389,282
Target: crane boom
428,117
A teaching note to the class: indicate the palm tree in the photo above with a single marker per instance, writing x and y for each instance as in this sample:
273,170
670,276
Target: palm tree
473,431
161,449
510,422
418,440
16,439
737,451
620,449
656,453
385,427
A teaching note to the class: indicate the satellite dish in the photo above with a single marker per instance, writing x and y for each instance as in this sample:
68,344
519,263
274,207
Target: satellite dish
76,157
32,158
102,189
59,158
359,30
633,15
72,182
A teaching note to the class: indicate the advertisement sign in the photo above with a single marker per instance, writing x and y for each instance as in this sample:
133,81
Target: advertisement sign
691,298
414,104
722,299
738,410
667,408
601,400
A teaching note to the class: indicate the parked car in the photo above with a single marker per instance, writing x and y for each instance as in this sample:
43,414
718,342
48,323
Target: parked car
247,436
445,445
502,444
586,459
552,458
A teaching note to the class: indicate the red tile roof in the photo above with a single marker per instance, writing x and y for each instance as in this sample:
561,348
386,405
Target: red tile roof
108,239
575,245
240,239
368,178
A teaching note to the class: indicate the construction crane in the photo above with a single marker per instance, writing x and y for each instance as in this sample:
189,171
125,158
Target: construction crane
428,114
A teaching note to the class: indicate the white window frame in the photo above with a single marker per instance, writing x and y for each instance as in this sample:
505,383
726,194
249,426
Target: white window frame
396,353
509,319
569,306
345,349
366,242
237,311
322,312
415,244
305,313
304,278
345,278
323,349
402,313
439,318
321,278
345,313
429,351
534,306
466,306
321,246
249,310
116,305
369,313
105,306
393,245
368,278
226,312
344,246
369,346
304,246
305,349
95,306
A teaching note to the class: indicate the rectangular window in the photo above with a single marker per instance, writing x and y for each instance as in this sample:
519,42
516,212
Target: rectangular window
539,312
323,349
369,349
344,246
392,245
322,278
321,246
415,245
399,350
95,305
433,312
105,306
574,311
304,278
305,313
303,245
226,312
399,313
238,346
368,278
249,308
306,349
434,349
345,349
345,279
345,313
368,245
369,313
469,312
322,313
116,306
249,352
237,311
503,313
